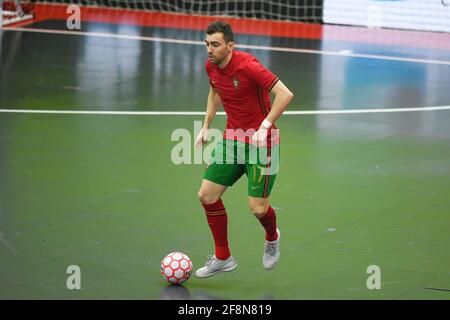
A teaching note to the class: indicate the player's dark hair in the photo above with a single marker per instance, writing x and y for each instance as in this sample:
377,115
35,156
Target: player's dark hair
222,27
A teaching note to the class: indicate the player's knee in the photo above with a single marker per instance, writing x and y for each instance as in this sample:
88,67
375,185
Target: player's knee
258,209
206,197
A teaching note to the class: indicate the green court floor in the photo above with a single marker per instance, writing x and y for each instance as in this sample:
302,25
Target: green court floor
102,193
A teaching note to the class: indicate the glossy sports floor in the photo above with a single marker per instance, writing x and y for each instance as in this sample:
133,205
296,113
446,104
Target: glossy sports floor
99,190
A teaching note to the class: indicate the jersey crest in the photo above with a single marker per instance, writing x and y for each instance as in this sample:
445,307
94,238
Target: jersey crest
236,83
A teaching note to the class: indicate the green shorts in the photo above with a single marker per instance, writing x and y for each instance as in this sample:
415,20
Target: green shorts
231,159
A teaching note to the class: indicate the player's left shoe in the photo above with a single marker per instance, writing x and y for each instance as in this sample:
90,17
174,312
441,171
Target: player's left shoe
271,253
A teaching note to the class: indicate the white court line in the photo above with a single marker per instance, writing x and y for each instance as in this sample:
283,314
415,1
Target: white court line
340,53
200,113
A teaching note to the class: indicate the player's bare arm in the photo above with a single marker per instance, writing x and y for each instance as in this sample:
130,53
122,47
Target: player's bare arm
212,105
283,97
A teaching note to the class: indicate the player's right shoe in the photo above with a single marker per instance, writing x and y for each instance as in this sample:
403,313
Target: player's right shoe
215,266
271,253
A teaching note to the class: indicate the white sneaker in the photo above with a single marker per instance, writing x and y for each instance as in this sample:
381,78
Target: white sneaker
271,253
214,266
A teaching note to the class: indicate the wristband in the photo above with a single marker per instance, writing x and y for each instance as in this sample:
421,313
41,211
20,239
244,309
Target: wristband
266,124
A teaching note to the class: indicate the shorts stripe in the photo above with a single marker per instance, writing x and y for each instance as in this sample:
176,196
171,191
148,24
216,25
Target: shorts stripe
266,182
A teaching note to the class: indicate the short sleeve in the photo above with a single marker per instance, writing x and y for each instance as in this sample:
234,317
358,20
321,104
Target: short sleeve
263,77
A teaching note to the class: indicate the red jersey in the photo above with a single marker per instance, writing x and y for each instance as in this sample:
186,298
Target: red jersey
243,86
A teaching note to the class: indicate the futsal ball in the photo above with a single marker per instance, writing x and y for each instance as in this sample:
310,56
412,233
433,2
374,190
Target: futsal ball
176,267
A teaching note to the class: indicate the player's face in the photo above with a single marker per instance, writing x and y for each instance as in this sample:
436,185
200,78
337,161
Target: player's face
218,49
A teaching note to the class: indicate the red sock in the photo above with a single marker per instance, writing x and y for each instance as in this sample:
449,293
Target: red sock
218,221
269,222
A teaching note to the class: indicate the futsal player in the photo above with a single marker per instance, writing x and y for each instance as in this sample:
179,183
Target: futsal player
243,86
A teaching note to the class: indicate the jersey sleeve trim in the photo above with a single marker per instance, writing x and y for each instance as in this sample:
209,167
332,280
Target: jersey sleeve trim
274,82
